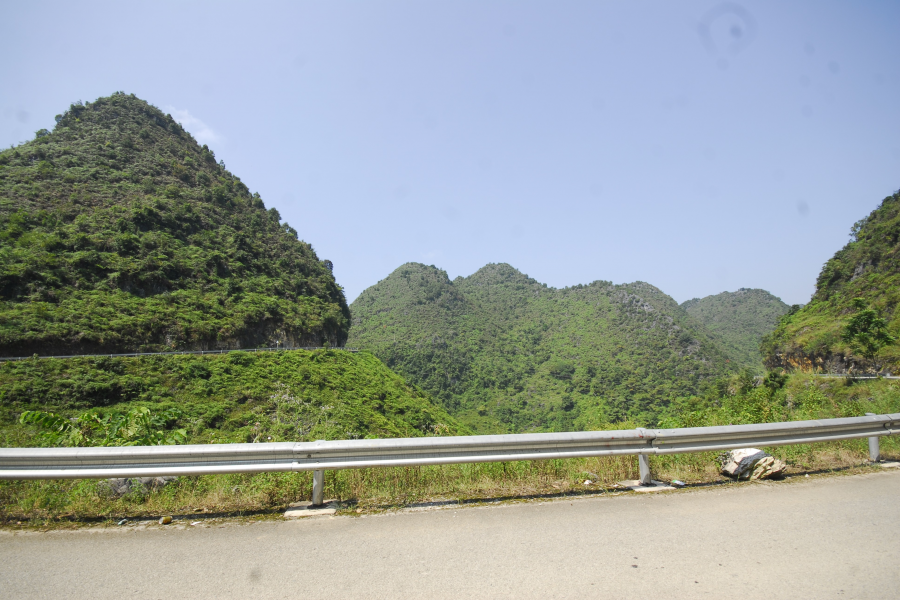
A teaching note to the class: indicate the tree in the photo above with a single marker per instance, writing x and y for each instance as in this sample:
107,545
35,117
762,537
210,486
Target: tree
866,332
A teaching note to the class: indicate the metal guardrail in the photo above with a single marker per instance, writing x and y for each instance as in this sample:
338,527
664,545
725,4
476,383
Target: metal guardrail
854,376
141,461
173,352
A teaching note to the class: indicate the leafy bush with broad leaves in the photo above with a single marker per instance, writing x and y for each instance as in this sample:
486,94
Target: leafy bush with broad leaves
138,427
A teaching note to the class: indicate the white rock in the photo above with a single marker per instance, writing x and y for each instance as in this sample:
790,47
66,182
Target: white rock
751,463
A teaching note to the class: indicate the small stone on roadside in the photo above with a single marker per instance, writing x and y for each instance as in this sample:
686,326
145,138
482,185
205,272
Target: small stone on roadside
588,482
165,520
359,510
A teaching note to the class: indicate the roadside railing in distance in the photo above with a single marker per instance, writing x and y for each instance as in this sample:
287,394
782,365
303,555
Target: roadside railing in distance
853,376
206,459
174,352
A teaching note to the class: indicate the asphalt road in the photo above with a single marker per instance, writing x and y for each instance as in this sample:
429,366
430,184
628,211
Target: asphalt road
832,537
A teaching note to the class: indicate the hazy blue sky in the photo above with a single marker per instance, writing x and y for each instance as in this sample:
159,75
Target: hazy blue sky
698,146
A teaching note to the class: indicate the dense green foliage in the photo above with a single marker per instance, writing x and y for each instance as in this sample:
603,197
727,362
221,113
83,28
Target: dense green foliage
503,352
868,267
743,398
866,332
119,232
739,320
291,395
138,427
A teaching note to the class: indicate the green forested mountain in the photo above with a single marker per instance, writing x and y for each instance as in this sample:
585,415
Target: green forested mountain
739,320
119,232
867,267
505,353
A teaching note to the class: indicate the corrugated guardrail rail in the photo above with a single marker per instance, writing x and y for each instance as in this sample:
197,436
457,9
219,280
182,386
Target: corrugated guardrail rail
136,461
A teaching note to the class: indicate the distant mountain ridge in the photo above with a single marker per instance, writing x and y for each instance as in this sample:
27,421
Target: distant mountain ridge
504,352
740,320
118,232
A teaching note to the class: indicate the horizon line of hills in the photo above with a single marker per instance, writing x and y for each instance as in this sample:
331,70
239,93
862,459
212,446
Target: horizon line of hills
739,319
118,231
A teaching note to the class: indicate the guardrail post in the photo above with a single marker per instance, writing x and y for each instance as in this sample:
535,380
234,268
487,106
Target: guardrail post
644,464
874,449
318,491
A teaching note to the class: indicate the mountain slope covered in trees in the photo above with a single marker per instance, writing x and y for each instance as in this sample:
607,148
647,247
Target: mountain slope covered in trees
118,232
868,267
240,396
739,320
505,353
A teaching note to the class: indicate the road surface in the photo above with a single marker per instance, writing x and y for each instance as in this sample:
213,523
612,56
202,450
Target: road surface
829,537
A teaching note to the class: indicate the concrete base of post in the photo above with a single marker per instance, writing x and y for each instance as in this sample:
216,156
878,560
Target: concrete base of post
298,510
635,485
646,483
